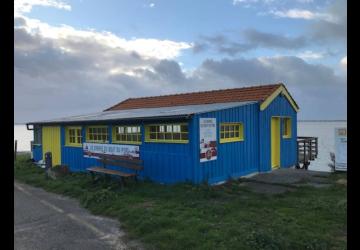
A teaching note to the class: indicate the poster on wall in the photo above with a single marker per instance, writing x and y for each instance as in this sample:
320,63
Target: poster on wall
95,150
208,142
341,149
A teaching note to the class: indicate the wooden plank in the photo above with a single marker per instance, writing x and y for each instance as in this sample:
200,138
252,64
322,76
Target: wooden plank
121,164
110,171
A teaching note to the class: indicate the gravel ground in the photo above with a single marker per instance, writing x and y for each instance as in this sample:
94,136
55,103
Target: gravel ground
286,179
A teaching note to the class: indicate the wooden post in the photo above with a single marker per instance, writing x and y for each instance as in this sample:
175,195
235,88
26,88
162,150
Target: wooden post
15,152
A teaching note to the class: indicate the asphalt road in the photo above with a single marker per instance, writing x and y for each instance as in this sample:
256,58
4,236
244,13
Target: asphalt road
44,221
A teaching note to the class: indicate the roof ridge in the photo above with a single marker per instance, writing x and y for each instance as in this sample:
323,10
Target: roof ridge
205,91
214,91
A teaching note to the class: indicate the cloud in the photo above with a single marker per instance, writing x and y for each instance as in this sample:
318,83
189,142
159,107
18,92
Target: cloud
151,5
69,75
310,55
149,48
252,39
343,63
25,6
304,14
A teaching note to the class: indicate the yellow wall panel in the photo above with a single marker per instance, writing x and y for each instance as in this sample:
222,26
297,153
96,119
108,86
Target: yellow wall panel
51,143
275,142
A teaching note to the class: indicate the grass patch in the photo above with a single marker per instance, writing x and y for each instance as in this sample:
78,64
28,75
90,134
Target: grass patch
185,216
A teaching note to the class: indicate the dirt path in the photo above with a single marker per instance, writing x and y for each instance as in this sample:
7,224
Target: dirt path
45,220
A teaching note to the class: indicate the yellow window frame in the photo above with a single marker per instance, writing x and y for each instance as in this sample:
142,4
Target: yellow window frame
166,133
228,128
137,134
77,136
96,135
287,127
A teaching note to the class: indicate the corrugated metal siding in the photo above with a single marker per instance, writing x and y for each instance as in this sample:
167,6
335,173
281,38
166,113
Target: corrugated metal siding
279,107
234,159
163,162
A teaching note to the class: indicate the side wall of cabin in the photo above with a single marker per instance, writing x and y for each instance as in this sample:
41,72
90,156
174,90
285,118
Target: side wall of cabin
280,106
234,159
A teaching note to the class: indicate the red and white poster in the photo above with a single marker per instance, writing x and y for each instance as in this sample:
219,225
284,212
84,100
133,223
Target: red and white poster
208,142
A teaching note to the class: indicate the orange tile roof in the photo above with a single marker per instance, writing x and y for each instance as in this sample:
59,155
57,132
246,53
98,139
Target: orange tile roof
255,93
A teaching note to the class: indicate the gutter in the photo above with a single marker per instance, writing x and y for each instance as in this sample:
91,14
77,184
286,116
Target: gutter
187,117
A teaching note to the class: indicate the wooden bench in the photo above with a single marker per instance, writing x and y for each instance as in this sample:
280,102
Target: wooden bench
112,160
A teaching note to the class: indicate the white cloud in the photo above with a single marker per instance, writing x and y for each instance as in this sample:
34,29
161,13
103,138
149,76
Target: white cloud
147,48
25,6
343,62
304,14
236,2
151,5
310,55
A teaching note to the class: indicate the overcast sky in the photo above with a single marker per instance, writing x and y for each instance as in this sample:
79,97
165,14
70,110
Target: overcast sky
82,56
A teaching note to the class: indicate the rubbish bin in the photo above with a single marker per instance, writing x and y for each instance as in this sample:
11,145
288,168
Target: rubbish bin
48,160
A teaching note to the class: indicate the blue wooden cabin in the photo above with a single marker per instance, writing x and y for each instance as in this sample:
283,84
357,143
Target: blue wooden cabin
199,137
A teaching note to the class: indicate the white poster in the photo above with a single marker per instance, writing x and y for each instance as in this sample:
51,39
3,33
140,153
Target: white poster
94,150
208,142
340,149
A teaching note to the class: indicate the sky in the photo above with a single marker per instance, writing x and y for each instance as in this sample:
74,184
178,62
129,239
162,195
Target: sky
83,56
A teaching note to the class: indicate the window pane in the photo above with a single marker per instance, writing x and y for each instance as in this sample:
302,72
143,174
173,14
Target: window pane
231,134
123,137
184,136
226,128
221,135
237,134
176,136
168,136
184,128
222,128
237,127
134,137
152,128
176,128
162,128
161,136
153,136
168,128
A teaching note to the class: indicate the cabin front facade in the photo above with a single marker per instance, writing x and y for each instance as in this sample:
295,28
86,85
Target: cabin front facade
198,137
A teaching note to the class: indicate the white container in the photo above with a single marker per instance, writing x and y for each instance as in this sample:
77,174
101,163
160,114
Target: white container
340,149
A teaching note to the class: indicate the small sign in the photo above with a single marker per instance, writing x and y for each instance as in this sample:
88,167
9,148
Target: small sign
208,142
95,150
341,149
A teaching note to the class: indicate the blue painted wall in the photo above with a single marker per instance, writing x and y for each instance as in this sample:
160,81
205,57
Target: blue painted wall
280,106
173,162
234,158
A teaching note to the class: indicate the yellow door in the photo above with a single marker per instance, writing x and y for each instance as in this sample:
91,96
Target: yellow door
51,143
275,142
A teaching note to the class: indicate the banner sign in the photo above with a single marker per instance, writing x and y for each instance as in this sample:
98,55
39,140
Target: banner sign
94,150
208,142
341,149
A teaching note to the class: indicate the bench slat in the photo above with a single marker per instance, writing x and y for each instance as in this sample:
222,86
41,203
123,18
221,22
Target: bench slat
110,171
121,164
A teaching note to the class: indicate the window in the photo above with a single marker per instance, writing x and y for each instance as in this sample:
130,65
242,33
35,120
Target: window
176,133
287,127
97,134
37,135
231,132
73,136
127,134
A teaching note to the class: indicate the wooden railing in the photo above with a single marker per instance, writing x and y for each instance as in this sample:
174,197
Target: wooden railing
307,150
